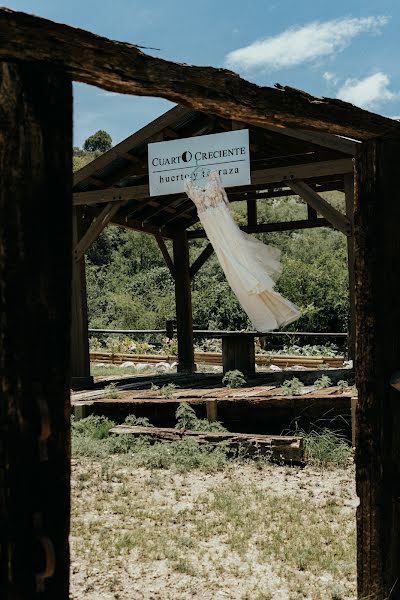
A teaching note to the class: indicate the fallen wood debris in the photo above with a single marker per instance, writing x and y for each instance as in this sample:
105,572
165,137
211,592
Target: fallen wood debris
280,448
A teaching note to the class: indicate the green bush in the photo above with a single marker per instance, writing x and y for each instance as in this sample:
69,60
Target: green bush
234,379
323,382
292,387
186,418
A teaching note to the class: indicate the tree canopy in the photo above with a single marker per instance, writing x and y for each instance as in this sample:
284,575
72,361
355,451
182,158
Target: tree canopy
98,142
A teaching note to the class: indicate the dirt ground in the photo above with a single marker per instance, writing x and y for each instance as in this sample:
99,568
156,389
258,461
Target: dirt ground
245,533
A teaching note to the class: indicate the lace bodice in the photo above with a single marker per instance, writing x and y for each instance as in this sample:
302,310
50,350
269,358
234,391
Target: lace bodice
212,196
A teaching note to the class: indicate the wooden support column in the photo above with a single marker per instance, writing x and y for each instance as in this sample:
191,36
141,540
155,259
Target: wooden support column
80,357
35,303
377,268
183,299
252,212
349,198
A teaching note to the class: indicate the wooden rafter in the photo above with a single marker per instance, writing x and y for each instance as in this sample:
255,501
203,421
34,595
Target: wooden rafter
123,68
259,177
96,228
201,259
336,218
270,227
164,251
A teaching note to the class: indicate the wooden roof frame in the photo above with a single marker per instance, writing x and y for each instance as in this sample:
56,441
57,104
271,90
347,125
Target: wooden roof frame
40,59
329,159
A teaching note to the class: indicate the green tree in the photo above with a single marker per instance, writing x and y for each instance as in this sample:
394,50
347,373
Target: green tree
98,142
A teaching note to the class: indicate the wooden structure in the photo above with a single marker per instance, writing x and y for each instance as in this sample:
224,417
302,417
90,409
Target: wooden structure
114,188
39,61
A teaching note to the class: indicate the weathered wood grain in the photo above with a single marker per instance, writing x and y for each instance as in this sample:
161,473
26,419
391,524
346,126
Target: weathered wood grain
259,177
123,68
377,269
35,303
282,448
183,300
313,199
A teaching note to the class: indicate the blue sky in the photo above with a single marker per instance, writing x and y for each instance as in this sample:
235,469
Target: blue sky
338,49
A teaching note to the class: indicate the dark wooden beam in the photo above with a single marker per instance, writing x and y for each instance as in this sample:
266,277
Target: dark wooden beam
94,230
270,227
166,255
35,305
326,140
377,267
337,219
201,259
183,299
123,68
252,212
349,199
80,358
128,223
258,177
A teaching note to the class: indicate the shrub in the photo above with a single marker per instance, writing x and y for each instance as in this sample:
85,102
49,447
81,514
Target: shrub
93,427
323,382
186,418
111,391
134,421
327,447
167,391
234,379
292,387
343,385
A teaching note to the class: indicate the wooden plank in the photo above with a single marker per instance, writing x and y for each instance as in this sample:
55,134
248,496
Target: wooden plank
349,199
238,352
123,68
270,227
377,267
98,225
258,177
212,410
166,255
279,447
183,299
327,140
337,219
35,304
201,259
135,225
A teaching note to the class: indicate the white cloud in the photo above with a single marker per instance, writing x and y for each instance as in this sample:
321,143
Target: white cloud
328,76
298,45
367,92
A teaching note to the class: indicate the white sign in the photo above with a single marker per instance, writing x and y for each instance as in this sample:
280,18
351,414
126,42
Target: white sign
171,163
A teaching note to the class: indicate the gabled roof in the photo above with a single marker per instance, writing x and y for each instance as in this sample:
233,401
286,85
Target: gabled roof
277,154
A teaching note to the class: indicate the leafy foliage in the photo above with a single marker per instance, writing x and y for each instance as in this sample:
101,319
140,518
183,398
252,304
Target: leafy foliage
234,379
98,142
186,418
292,387
323,382
129,285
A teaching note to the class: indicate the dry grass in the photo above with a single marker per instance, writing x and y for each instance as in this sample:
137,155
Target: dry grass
244,532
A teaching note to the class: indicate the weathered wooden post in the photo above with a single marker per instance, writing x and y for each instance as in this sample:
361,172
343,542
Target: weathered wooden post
35,301
377,266
80,358
183,299
349,199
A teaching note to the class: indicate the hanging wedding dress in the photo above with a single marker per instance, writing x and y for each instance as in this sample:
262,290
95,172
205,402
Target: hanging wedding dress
251,267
